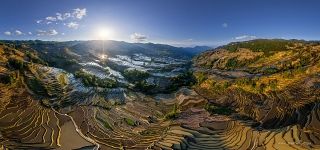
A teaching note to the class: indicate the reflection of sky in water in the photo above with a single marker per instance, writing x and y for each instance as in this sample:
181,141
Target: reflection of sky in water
77,88
77,85
141,62
145,63
157,67
101,72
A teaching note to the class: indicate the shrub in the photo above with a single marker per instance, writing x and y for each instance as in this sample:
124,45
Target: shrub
262,87
217,110
94,81
246,81
36,86
270,70
288,74
173,114
16,63
105,123
135,75
147,132
143,86
34,58
232,63
200,77
7,78
184,79
130,122
273,84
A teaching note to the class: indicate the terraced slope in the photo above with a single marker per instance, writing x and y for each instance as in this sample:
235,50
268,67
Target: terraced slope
274,82
26,124
45,107
233,134
239,102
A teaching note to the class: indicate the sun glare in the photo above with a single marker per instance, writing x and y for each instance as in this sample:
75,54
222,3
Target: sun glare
104,33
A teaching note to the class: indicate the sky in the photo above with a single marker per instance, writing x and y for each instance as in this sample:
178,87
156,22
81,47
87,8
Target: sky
174,22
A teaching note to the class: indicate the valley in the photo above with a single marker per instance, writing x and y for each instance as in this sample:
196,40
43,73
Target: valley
258,94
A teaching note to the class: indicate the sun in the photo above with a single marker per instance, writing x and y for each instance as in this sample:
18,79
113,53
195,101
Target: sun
104,33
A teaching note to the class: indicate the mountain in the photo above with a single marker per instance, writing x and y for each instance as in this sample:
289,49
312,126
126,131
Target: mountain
61,53
197,49
114,47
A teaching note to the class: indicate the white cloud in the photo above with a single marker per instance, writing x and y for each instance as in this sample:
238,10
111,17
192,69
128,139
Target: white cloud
71,17
49,32
51,18
7,33
17,32
39,21
224,25
72,25
245,37
30,33
62,17
59,16
138,37
53,32
41,32
79,13
67,15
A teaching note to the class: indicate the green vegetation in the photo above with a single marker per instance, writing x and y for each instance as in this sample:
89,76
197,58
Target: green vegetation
147,132
200,77
270,70
134,75
217,109
245,81
33,58
261,45
173,114
232,63
93,81
105,123
184,79
16,63
138,78
35,85
218,86
129,121
7,78
144,86
273,84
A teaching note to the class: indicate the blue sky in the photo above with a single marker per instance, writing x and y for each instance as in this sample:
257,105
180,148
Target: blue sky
175,22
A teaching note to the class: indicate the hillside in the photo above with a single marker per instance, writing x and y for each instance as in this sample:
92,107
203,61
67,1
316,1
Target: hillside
274,82
260,94
43,106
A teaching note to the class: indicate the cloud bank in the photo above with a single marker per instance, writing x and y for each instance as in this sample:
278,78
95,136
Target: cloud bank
245,37
50,32
137,37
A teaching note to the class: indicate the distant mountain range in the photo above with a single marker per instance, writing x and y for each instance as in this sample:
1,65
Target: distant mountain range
68,54
113,48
